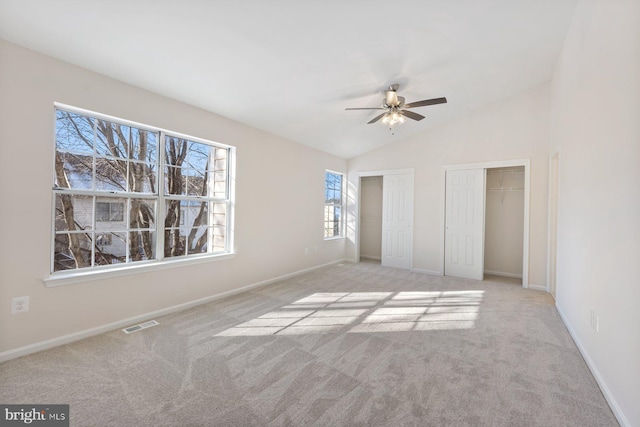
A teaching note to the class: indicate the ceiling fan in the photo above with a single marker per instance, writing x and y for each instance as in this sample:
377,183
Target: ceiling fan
396,109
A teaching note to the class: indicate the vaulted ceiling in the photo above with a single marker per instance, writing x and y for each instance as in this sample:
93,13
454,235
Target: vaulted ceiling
291,67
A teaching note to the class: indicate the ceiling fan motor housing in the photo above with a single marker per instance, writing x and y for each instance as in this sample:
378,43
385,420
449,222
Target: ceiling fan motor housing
392,99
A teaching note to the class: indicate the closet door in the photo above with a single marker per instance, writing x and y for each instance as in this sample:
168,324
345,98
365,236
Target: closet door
464,223
397,220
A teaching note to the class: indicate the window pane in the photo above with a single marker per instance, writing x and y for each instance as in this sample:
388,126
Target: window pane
199,156
73,212
115,252
174,243
142,245
197,214
74,171
219,185
142,177
174,181
74,133
337,212
144,146
71,251
333,187
175,151
197,182
111,175
219,239
220,159
219,214
110,213
197,240
112,139
331,221
142,214
175,213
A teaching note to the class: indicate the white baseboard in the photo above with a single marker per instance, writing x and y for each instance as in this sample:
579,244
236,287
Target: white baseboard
537,287
613,404
429,272
503,274
76,336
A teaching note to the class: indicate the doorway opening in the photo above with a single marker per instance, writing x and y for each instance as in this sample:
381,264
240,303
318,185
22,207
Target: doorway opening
389,205
504,225
371,190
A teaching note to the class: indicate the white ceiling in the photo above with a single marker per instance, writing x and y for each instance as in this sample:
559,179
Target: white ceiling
291,67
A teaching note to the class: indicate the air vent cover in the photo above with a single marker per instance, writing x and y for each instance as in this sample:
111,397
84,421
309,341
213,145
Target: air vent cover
140,326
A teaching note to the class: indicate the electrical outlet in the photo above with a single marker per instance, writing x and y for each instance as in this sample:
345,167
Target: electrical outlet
19,305
306,251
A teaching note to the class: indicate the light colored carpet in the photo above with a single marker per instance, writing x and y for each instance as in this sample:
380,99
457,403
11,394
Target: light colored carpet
348,345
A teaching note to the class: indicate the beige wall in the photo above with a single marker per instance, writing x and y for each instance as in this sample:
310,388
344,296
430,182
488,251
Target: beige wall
514,128
279,203
596,126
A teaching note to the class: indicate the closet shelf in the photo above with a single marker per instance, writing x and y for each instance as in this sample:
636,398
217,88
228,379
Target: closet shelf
503,171
506,189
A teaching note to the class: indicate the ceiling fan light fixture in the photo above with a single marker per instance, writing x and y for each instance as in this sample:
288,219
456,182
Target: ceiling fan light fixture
393,118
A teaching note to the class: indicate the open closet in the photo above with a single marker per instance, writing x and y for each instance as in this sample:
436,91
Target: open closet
504,225
486,221
385,226
371,218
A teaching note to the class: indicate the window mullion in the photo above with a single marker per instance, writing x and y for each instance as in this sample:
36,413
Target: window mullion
230,201
126,231
160,200
94,202
94,163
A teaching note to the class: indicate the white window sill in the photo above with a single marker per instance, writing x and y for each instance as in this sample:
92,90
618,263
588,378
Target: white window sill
68,278
334,238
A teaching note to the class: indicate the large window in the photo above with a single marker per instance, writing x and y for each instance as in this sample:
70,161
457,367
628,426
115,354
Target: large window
128,193
333,205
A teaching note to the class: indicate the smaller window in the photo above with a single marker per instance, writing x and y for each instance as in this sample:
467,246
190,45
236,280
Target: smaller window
109,211
333,205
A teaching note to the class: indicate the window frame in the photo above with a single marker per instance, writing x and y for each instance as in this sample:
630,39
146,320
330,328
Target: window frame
341,205
157,195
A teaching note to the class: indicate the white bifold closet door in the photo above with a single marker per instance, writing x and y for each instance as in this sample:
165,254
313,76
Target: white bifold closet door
397,220
464,223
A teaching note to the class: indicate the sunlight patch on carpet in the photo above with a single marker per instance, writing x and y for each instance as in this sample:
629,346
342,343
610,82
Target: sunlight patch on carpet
367,312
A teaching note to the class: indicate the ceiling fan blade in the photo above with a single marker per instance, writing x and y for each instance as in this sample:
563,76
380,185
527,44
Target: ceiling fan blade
374,108
426,102
412,115
375,119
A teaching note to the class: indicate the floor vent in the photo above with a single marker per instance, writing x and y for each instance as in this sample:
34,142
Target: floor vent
140,326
